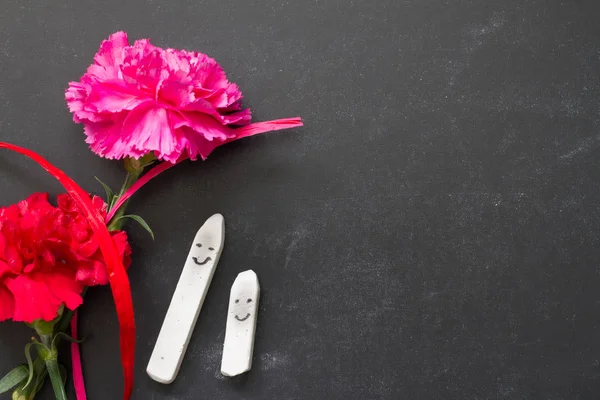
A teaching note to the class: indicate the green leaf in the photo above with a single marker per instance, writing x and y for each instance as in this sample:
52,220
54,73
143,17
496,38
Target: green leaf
29,363
40,379
65,336
110,195
13,378
140,221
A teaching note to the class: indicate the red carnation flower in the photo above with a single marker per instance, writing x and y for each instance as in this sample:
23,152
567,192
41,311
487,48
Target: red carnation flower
47,256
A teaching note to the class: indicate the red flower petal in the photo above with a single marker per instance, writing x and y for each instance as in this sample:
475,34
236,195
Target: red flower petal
87,249
4,269
66,203
122,244
65,288
7,304
13,258
32,299
92,274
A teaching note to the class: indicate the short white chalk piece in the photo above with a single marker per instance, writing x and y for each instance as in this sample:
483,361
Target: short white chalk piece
241,324
187,301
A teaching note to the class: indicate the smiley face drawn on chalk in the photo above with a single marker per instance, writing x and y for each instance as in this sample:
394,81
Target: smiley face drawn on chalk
243,307
208,252
241,324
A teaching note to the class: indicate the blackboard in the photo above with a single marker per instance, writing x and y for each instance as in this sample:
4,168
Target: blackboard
430,233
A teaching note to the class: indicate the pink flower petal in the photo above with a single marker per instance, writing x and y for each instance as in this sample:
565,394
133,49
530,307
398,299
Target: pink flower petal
243,117
148,130
108,139
76,96
111,50
114,97
196,144
203,124
174,94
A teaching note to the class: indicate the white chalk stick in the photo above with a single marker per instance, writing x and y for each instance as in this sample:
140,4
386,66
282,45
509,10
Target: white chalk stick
187,301
241,324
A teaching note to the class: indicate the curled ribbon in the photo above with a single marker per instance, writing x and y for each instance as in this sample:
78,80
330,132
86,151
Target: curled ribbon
119,281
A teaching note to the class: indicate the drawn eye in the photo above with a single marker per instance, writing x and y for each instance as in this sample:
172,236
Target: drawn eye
237,301
249,301
198,245
211,248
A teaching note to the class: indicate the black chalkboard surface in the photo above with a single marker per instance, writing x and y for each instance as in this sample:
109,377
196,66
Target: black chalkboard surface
431,233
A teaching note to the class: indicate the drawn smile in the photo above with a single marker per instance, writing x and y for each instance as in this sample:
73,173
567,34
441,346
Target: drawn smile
242,319
203,262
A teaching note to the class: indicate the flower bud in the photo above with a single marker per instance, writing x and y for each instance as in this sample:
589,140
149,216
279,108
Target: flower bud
19,395
137,165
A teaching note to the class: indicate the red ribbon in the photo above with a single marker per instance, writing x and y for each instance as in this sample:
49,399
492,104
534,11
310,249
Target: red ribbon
119,281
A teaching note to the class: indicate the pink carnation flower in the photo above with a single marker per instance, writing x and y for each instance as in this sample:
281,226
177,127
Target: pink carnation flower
139,99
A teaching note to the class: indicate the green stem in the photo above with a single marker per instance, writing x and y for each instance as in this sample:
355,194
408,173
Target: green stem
65,320
116,222
56,379
47,351
134,168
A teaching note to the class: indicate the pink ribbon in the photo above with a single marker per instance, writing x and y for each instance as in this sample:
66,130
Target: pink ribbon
78,382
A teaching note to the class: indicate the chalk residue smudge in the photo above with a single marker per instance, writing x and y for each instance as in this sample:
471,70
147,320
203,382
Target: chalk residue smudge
473,39
274,360
299,234
583,147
